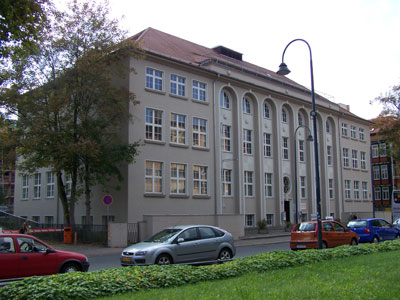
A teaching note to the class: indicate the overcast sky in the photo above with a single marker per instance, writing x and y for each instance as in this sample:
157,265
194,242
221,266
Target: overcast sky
355,43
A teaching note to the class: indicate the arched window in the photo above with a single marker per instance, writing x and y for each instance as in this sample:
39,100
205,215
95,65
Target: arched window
224,101
300,119
266,111
246,106
328,127
284,115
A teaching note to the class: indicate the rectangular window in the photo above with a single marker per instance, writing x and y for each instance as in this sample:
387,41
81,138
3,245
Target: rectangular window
36,219
199,132
49,220
154,124
250,221
266,110
268,191
329,155
178,179
285,147
154,177
200,185
361,134
382,149
68,185
199,91
267,145
375,150
247,143
227,182
365,190
50,184
346,162
303,193
356,190
377,193
177,85
248,183
270,219
344,129
376,174
301,151
363,160
385,193
178,129
384,172
330,188
37,185
347,189
224,101
226,138
154,79
353,131
354,155
25,187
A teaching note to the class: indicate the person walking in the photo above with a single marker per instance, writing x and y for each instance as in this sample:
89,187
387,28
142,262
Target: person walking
25,228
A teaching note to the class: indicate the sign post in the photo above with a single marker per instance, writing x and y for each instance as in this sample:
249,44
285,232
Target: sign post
107,200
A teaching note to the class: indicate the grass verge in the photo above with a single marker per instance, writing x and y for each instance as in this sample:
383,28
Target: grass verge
373,276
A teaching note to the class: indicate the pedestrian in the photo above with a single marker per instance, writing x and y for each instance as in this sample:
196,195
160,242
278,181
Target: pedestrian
25,228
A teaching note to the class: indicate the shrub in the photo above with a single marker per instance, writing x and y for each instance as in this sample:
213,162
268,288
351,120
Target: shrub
122,280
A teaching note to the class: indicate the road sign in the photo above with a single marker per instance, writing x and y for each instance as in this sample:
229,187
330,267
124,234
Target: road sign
107,200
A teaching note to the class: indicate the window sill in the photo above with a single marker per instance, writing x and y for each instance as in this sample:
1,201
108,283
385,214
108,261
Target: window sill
201,197
154,195
178,196
154,142
200,102
178,96
178,145
200,148
154,91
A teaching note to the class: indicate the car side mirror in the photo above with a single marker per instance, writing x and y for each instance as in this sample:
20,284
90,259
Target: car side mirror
180,240
49,251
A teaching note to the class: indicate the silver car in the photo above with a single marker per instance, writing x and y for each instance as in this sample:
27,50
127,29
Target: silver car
181,244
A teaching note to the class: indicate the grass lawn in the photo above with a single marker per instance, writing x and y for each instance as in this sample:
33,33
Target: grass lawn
372,276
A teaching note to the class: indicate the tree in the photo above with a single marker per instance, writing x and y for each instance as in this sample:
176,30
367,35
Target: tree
70,103
21,23
388,120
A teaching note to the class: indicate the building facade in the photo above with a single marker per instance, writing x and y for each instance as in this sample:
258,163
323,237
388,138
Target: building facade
219,139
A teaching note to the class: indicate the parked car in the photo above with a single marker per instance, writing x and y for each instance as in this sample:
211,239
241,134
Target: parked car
397,223
181,244
374,230
304,235
24,255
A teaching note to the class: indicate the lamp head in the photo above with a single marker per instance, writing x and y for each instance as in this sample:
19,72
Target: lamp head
310,138
283,69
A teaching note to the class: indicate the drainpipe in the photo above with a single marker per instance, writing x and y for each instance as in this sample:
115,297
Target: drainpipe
216,128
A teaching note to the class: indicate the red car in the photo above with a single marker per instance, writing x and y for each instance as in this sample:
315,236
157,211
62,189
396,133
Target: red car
24,255
304,235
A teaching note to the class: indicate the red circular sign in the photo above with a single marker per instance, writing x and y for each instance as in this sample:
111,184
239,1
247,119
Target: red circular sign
107,200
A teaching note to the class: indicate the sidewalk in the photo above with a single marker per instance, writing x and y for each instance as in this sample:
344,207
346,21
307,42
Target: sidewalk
276,236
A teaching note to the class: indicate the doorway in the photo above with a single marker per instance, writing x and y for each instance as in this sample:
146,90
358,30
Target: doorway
287,210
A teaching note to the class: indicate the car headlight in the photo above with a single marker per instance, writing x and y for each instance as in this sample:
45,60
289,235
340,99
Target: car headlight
141,253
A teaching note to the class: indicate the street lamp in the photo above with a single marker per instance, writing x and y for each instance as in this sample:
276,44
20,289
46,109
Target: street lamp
284,70
309,139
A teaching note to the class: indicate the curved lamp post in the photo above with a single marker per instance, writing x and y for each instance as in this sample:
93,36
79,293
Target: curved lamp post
284,70
309,139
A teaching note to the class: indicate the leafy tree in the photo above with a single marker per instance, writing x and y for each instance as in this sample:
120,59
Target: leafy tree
71,103
21,24
388,120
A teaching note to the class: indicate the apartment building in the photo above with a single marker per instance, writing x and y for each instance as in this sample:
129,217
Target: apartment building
219,136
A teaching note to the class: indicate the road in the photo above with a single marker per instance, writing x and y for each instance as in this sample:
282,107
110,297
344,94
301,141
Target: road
109,261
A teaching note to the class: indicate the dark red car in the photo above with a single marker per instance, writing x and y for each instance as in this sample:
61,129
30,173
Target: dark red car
24,255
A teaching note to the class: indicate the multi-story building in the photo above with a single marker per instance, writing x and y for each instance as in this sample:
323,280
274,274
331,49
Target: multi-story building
219,138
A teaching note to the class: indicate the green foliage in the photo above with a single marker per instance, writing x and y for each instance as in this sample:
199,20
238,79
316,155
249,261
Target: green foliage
122,280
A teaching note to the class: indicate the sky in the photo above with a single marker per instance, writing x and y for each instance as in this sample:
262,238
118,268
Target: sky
355,43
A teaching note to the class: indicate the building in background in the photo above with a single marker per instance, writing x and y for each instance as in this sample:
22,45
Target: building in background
219,136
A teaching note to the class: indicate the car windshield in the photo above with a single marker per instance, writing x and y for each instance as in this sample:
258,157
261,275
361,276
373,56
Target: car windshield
306,227
162,236
357,224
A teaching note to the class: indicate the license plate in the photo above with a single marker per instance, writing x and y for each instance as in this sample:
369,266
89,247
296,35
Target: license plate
126,259
301,246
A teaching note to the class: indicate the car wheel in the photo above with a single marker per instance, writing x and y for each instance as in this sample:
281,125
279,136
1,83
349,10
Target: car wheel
324,245
353,242
70,267
225,254
375,240
164,259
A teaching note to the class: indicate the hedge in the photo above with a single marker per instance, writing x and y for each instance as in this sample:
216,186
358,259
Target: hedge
121,280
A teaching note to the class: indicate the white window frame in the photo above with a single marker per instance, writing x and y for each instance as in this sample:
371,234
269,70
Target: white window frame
200,180
356,189
382,150
50,184
224,100
384,172
227,182
200,132
353,132
365,190
155,177
154,124
266,110
376,173
178,128
199,91
37,183
363,160
68,184
377,193
284,115
25,187
361,134
375,150
347,189
155,79
250,220
354,157
270,219
329,155
331,189
226,141
268,185
344,130
248,181
328,127
346,162
301,151
247,142
285,148
385,193
178,178
300,119
267,145
177,85
303,190
246,105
